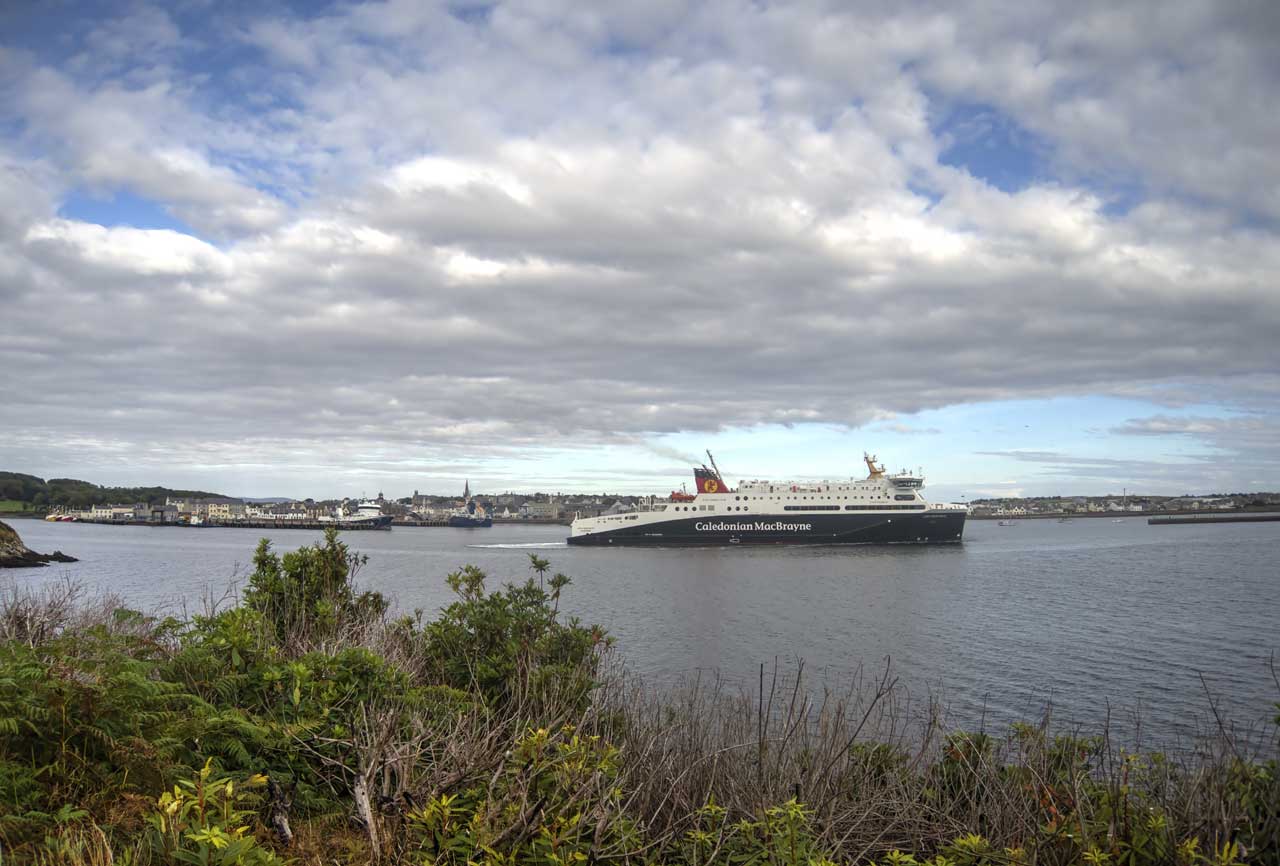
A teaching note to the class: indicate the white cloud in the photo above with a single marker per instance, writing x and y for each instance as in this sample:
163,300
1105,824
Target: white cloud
555,223
452,175
141,252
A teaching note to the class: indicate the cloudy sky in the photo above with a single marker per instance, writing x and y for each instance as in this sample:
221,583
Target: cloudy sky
335,248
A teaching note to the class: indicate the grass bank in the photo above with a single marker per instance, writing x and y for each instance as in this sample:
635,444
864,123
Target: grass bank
303,723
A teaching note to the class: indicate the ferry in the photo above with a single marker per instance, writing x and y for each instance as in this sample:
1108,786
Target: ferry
882,508
368,515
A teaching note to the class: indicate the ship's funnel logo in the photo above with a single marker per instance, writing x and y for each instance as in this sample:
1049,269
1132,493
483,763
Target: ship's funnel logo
708,481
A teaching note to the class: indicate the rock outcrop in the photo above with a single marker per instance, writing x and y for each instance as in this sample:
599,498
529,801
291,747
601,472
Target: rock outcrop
15,554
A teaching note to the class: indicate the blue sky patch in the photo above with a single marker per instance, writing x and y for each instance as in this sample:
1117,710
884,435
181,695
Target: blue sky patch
991,146
121,209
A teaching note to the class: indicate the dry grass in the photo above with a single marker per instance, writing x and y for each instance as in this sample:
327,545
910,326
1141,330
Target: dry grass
36,616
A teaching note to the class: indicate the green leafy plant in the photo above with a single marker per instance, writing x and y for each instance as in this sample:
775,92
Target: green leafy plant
208,821
553,801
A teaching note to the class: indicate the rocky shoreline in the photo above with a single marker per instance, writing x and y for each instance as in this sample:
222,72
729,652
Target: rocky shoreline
15,554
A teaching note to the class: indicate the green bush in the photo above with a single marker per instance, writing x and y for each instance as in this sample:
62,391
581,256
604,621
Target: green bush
82,719
553,801
307,594
509,644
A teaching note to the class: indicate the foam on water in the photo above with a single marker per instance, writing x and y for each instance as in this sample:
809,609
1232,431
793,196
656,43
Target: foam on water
537,545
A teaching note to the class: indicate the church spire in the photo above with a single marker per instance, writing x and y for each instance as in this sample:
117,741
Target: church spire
466,489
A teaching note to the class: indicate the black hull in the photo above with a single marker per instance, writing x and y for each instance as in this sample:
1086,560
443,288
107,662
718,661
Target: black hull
937,528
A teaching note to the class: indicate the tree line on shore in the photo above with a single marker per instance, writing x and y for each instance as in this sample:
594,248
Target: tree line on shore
304,722
37,494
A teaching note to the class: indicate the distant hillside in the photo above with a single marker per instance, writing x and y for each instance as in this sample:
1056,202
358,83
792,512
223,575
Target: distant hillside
38,494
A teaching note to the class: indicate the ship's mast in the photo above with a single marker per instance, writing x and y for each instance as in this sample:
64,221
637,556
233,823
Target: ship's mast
715,468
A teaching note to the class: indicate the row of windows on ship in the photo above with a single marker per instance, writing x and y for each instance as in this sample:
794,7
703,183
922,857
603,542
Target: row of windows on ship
901,497
814,507
817,488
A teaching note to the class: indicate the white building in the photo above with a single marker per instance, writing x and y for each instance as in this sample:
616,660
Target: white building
540,510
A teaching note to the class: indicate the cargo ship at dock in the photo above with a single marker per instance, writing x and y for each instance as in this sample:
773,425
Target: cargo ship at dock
471,514
882,508
368,515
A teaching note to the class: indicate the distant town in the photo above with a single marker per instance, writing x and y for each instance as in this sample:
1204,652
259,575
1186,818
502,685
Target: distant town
69,499
1058,506
27,495
410,510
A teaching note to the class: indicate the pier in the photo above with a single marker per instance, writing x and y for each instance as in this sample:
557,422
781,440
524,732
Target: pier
320,524
241,524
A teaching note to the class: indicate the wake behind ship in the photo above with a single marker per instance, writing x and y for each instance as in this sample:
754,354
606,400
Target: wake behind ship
880,509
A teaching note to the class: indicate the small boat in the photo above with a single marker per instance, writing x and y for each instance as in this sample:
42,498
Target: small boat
1007,523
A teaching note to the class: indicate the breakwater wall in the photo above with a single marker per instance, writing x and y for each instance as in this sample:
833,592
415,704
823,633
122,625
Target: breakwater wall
1209,518
1091,515
318,524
